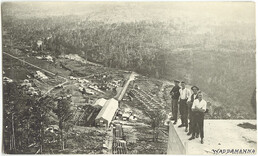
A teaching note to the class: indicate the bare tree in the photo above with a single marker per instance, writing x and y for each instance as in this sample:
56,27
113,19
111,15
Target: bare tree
157,119
64,115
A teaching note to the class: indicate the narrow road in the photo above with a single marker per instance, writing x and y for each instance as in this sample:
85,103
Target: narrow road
49,72
28,63
66,80
61,84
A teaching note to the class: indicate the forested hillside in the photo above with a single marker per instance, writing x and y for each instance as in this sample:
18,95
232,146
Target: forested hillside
205,49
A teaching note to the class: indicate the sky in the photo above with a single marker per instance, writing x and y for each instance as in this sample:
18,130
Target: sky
196,11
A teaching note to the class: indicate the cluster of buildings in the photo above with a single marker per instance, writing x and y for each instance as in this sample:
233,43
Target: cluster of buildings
110,110
85,87
74,57
47,57
39,75
102,112
100,86
106,81
115,83
86,91
26,85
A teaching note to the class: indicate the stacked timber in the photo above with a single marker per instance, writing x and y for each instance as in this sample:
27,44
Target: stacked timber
119,143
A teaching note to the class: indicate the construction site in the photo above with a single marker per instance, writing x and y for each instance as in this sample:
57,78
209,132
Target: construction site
77,84
116,110
110,103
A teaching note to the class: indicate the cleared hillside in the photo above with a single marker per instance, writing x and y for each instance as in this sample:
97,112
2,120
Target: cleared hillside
211,45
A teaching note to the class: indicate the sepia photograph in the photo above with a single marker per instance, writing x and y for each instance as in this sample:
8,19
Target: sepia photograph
128,77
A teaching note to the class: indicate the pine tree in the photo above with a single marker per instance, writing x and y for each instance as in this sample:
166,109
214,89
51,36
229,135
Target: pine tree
64,114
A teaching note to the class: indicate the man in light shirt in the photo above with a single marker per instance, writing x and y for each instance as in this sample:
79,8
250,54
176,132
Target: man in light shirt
190,101
198,108
183,109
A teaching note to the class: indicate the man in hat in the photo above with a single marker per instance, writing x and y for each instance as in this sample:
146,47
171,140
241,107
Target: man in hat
175,95
184,96
190,101
198,108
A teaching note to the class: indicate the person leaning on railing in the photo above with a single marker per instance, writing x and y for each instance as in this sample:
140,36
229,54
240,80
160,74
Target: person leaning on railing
198,108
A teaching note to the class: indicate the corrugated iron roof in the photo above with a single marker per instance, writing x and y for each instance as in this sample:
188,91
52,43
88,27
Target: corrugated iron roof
100,102
108,111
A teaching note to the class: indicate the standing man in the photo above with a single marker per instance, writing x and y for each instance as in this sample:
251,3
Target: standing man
184,96
198,108
190,101
175,95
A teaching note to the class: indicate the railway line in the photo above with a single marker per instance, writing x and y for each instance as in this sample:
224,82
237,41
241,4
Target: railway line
49,72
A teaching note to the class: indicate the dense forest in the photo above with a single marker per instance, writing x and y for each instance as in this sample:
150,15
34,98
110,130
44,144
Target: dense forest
219,57
25,118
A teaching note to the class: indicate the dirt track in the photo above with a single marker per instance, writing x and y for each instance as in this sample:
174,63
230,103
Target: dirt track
66,80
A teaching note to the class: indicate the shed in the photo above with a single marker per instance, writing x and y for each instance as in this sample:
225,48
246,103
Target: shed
107,113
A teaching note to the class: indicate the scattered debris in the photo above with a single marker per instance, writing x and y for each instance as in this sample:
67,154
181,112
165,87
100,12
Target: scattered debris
247,125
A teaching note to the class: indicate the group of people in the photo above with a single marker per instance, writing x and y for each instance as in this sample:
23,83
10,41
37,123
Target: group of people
192,106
